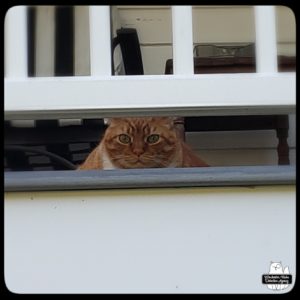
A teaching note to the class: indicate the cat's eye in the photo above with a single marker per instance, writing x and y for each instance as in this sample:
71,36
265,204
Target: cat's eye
153,138
124,138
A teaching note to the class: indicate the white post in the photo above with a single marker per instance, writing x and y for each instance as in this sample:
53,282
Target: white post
15,42
182,25
100,40
266,44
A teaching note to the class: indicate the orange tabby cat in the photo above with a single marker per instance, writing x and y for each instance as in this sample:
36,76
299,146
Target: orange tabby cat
150,142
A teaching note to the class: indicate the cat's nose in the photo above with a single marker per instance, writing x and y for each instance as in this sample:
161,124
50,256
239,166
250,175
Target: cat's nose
138,151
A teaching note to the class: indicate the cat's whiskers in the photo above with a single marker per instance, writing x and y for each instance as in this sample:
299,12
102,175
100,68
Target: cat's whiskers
155,161
113,153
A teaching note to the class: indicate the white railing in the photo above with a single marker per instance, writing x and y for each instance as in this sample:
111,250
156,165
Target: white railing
182,40
184,93
16,43
266,45
100,41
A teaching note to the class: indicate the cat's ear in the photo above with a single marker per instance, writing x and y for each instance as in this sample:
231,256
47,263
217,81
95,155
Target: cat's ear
170,119
169,122
177,120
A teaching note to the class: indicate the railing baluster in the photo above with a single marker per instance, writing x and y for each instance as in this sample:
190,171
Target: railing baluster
100,40
266,45
16,42
182,40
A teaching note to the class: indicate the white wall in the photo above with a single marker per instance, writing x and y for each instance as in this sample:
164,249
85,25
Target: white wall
211,24
187,240
228,148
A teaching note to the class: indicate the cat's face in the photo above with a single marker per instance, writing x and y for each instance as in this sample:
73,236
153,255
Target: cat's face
149,142
276,267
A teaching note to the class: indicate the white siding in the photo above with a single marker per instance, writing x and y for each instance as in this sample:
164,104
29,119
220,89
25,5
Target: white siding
45,39
212,24
188,240
81,41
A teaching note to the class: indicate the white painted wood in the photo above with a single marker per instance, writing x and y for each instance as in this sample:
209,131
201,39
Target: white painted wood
15,45
285,25
187,240
155,58
68,122
196,94
242,157
232,24
266,43
182,25
288,49
117,54
246,139
154,25
23,123
45,40
211,24
219,140
100,40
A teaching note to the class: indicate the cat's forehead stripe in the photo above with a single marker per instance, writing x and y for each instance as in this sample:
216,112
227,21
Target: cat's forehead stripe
136,126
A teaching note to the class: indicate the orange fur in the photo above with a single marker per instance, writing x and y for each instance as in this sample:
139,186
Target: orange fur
168,151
